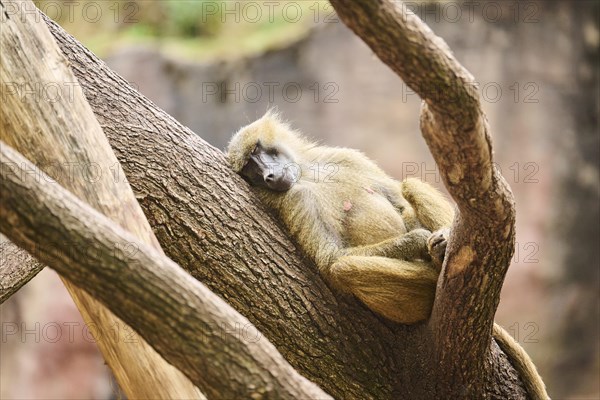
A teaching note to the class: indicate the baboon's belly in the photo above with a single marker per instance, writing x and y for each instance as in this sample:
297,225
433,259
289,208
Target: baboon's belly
371,219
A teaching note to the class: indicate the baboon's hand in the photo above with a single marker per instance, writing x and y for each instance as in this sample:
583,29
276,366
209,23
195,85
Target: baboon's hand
436,244
419,240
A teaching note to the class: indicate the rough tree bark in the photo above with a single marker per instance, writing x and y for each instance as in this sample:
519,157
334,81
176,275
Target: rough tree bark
194,329
16,269
208,221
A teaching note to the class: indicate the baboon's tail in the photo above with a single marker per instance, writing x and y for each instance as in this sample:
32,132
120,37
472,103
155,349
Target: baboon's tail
522,363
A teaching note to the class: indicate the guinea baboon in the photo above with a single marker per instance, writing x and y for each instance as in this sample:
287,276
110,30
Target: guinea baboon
381,240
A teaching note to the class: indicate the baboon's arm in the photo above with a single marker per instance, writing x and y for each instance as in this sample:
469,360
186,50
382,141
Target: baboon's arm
407,246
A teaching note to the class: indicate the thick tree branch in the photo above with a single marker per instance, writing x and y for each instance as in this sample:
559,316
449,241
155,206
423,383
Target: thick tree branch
17,268
456,132
190,326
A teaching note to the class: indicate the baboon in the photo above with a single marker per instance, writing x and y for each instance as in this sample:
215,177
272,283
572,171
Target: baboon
381,240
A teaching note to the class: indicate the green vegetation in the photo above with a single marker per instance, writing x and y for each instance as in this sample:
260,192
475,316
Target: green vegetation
193,29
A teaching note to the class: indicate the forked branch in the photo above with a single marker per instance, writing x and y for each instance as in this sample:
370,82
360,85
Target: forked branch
456,131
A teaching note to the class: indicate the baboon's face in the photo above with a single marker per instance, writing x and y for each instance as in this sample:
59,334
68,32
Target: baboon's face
270,167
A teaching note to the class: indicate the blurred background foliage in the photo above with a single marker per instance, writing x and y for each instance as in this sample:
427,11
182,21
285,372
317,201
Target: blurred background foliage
193,29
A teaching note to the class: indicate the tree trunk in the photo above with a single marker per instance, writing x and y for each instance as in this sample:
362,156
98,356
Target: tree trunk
208,221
